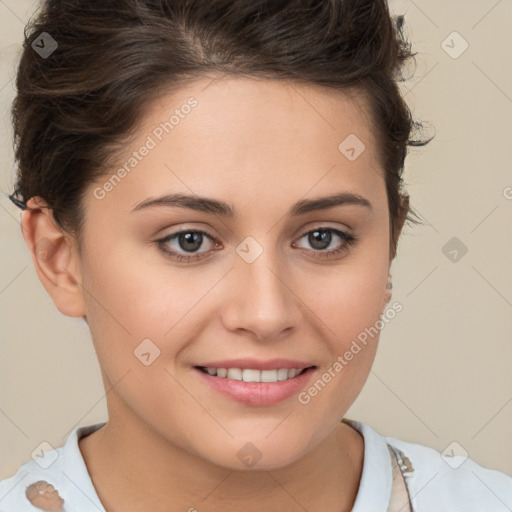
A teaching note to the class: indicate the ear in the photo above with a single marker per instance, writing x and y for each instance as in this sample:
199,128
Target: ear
55,257
403,210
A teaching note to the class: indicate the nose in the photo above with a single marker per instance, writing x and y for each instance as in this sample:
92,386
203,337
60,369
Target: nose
262,299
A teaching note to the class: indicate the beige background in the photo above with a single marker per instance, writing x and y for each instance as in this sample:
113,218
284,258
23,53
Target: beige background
443,371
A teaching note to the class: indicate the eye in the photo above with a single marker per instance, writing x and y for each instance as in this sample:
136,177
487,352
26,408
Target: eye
321,238
187,240
183,245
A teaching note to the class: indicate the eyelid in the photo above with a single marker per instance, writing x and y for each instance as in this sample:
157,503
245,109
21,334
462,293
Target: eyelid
325,225
175,234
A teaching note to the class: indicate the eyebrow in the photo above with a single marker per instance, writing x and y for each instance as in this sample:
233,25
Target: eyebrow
208,205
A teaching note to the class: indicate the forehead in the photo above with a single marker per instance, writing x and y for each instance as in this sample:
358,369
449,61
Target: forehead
244,113
253,136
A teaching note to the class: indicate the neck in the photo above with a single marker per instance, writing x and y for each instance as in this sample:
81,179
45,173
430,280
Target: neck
133,468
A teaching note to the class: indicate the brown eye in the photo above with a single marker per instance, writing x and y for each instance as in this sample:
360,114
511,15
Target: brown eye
183,245
321,238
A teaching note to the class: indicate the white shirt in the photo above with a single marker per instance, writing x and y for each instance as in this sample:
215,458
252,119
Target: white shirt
433,483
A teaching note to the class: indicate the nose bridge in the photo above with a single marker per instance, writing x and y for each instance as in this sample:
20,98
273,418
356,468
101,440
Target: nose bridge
263,302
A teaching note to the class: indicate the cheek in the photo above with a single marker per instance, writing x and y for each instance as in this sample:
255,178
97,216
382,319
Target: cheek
350,306
350,310
351,298
128,289
133,296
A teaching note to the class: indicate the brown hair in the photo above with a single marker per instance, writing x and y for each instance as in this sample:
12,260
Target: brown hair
76,107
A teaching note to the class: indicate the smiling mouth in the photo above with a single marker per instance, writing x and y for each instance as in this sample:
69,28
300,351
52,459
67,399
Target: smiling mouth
253,375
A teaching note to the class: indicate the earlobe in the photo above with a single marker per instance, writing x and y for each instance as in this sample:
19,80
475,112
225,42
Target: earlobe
54,256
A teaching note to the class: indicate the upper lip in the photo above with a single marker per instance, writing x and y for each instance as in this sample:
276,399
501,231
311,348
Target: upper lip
257,364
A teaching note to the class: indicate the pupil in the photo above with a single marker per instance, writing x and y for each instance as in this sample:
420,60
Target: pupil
190,238
321,237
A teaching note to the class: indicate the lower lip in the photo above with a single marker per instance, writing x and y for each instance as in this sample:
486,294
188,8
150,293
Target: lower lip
257,393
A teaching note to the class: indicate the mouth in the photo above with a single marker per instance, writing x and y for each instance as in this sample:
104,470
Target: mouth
253,387
254,375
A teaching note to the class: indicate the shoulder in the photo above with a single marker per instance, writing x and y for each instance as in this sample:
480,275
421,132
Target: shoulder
56,478
449,482
44,468
435,482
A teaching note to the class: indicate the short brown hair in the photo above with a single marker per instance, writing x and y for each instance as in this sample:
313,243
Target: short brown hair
75,108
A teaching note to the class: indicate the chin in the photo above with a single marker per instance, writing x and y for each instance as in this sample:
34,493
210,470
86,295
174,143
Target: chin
255,455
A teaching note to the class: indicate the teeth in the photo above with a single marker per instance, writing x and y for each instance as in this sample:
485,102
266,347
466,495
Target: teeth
282,374
250,375
234,373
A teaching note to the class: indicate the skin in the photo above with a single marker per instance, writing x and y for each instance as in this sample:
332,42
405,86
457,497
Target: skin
259,145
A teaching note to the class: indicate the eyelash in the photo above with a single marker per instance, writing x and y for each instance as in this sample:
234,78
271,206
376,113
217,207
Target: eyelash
162,244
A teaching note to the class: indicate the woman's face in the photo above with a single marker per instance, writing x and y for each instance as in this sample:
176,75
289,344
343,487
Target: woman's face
263,283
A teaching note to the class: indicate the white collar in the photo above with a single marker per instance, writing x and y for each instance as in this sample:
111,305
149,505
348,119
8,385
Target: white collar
374,489
69,475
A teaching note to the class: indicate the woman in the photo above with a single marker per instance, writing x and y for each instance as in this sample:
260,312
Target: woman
215,187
